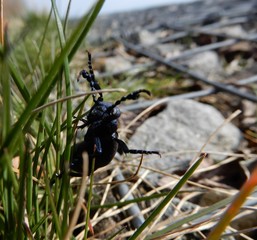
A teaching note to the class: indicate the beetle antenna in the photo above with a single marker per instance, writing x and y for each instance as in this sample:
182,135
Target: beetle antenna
132,96
90,77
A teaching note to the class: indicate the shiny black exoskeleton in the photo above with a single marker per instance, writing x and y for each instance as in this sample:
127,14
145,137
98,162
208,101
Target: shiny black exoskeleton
101,139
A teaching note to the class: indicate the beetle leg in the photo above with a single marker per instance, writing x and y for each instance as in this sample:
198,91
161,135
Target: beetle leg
85,123
123,148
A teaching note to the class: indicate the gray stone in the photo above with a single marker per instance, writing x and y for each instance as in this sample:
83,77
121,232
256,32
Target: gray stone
206,64
117,63
148,38
235,31
179,132
170,50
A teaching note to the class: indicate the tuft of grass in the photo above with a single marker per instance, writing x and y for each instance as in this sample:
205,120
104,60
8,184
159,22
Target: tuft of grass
36,145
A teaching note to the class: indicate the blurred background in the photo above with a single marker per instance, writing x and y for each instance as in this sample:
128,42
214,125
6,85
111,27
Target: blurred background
15,7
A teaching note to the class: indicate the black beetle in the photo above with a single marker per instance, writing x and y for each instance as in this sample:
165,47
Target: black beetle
101,139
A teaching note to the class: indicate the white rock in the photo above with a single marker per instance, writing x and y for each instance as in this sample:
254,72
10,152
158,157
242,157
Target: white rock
184,127
206,64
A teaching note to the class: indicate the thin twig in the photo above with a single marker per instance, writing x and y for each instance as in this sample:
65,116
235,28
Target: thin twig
125,179
227,120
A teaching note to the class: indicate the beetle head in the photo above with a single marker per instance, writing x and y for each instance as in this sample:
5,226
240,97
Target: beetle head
103,111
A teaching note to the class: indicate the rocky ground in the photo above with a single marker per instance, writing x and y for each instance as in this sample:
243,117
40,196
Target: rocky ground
206,51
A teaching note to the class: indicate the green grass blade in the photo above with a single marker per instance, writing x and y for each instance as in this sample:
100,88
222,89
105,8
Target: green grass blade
93,13
186,219
6,98
89,199
55,215
67,16
22,188
69,118
125,203
19,82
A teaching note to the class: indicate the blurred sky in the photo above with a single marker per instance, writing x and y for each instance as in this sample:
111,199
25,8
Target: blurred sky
79,7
